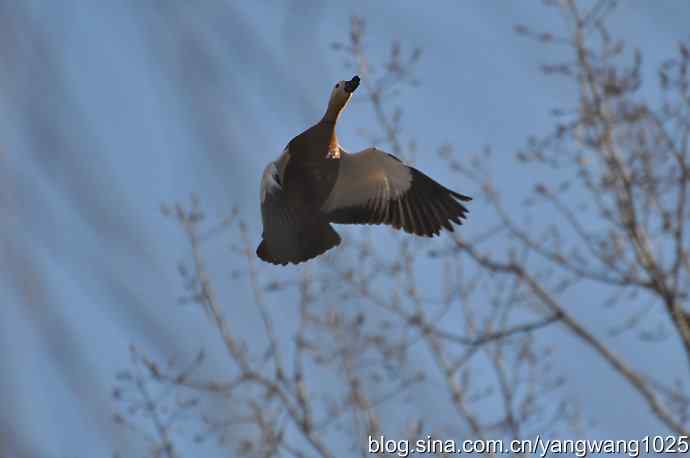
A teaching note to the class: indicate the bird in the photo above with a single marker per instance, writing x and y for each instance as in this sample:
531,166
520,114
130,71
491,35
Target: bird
315,183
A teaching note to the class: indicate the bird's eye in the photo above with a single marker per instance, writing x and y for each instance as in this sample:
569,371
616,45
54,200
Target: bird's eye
337,85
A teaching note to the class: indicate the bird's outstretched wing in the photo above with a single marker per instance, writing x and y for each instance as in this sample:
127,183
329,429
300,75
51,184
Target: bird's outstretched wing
374,187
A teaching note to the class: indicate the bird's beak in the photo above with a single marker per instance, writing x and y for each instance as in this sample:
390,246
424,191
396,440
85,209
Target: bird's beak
352,85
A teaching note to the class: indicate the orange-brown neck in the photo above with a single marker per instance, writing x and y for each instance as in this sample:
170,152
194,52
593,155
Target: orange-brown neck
332,113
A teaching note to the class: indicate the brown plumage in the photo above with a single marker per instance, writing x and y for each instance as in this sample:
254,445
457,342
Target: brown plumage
315,183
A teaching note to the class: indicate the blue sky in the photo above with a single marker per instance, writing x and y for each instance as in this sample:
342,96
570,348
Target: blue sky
96,131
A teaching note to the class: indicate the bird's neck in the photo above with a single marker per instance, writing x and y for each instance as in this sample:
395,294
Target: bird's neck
322,135
332,114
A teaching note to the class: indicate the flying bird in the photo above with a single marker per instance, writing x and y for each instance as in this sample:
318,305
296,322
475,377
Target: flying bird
315,182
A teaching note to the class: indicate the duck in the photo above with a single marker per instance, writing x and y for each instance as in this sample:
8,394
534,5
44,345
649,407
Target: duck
315,183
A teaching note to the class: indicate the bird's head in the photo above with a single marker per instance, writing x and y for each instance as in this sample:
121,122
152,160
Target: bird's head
340,95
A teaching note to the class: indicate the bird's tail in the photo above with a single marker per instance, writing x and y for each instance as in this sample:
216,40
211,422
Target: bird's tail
297,244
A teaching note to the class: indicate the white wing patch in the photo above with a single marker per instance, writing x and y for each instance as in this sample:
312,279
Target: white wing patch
368,175
269,181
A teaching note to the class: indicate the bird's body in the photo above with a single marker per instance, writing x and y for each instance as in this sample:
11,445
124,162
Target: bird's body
315,182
